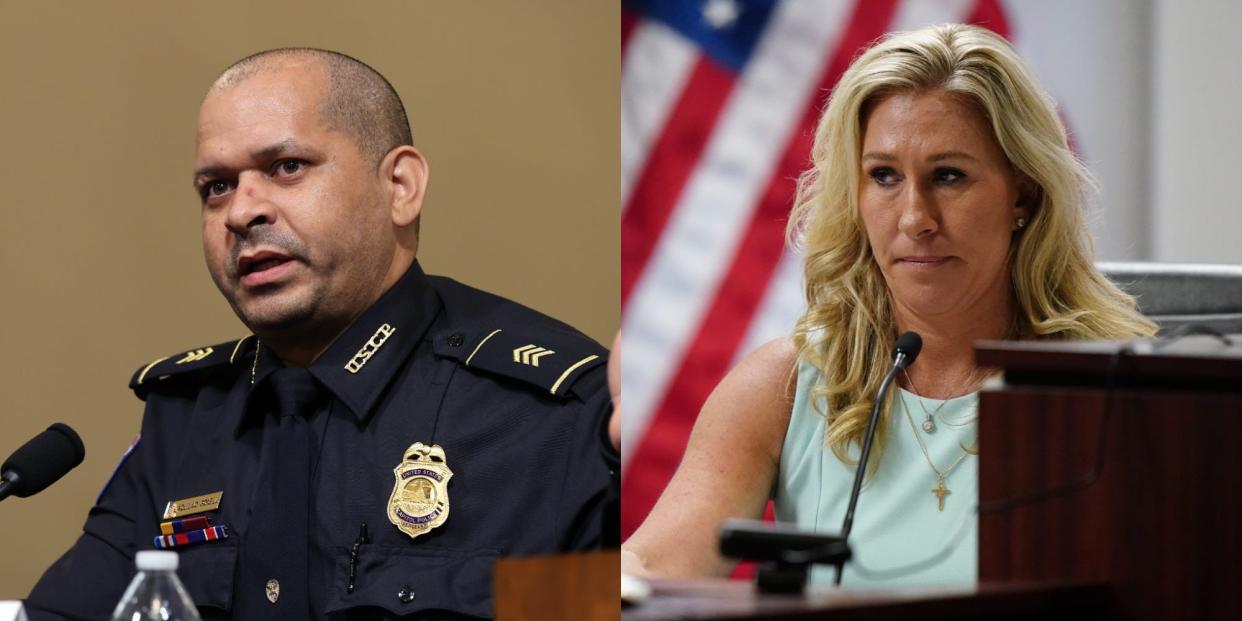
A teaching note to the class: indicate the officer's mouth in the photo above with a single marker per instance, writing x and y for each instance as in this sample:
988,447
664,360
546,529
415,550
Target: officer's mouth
263,268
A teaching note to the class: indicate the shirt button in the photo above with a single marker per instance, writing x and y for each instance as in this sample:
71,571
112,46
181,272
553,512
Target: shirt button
405,595
456,340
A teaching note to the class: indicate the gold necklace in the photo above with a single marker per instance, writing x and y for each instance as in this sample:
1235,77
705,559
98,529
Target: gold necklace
929,423
940,490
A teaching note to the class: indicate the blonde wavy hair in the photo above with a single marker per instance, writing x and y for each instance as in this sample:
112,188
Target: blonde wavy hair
847,330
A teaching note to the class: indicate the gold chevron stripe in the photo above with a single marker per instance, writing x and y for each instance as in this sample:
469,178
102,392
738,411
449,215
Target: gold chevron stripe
196,355
519,354
534,359
530,354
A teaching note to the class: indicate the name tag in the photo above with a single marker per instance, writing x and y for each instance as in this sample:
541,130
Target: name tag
190,506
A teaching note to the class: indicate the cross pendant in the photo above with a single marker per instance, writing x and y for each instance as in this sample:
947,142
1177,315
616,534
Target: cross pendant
941,491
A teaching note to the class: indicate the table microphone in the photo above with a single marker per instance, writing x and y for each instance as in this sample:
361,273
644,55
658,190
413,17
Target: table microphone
41,461
905,350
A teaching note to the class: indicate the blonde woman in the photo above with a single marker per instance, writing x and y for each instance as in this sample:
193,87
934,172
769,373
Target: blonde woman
944,199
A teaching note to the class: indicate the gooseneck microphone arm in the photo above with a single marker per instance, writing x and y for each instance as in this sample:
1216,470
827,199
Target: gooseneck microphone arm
904,352
8,483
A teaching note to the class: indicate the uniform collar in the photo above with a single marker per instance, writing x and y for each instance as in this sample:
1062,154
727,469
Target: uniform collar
359,365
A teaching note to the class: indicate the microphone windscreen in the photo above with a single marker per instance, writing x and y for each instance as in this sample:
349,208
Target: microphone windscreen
44,459
909,344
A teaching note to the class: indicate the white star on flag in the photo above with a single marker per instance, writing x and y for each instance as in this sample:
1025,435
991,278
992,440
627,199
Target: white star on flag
721,13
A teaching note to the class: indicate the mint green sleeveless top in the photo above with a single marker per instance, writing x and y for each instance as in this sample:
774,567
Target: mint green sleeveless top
897,521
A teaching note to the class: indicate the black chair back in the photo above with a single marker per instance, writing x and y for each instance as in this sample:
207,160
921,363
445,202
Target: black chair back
1179,294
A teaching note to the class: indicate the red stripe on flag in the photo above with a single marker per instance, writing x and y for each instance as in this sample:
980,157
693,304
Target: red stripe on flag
673,158
990,15
628,22
735,303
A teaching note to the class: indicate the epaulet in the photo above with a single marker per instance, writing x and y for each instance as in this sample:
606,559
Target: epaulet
548,358
161,370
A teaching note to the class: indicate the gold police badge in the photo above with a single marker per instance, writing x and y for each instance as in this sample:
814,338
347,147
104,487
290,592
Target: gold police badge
419,501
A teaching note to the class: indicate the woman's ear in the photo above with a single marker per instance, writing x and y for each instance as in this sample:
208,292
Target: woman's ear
1027,203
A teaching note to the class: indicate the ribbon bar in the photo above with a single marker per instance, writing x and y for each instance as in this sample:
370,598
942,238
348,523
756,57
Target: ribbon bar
164,542
185,525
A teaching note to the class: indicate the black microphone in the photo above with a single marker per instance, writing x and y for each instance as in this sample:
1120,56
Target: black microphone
41,461
905,350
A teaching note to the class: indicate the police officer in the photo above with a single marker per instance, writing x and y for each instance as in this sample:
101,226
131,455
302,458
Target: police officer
384,435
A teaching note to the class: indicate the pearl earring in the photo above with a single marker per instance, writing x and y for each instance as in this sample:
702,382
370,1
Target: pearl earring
1021,222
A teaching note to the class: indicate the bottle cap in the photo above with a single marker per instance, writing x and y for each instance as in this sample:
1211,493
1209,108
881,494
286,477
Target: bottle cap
156,560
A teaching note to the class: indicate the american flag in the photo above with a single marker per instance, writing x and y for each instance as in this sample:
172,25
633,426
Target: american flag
719,101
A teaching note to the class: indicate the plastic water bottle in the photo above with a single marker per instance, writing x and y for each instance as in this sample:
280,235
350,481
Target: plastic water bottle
155,592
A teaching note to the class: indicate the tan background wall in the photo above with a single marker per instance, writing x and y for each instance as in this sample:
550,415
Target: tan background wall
515,104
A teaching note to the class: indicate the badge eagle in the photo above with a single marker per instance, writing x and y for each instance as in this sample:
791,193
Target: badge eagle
419,501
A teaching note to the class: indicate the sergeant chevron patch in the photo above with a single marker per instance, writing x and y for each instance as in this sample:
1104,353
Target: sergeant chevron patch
196,355
530,354
550,359
184,364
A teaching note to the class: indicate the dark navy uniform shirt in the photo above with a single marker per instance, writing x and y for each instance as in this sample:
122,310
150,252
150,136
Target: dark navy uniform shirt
518,401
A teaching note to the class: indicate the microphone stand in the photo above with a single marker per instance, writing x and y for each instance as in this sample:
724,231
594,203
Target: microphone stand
900,362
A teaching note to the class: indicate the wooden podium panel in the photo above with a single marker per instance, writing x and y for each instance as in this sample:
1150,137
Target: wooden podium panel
585,586
1146,497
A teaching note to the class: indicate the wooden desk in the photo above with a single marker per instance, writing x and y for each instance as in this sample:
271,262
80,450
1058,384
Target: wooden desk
1162,522
584,587
738,600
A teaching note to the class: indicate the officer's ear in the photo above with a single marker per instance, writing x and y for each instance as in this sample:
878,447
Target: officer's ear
404,171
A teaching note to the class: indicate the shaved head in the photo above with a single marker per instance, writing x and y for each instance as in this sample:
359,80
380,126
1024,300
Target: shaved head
358,101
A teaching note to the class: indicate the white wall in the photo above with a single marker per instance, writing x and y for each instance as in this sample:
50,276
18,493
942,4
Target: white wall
1152,93
1197,96
1092,57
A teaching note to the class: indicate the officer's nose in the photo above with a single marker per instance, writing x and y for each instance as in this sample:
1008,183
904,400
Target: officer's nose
251,205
